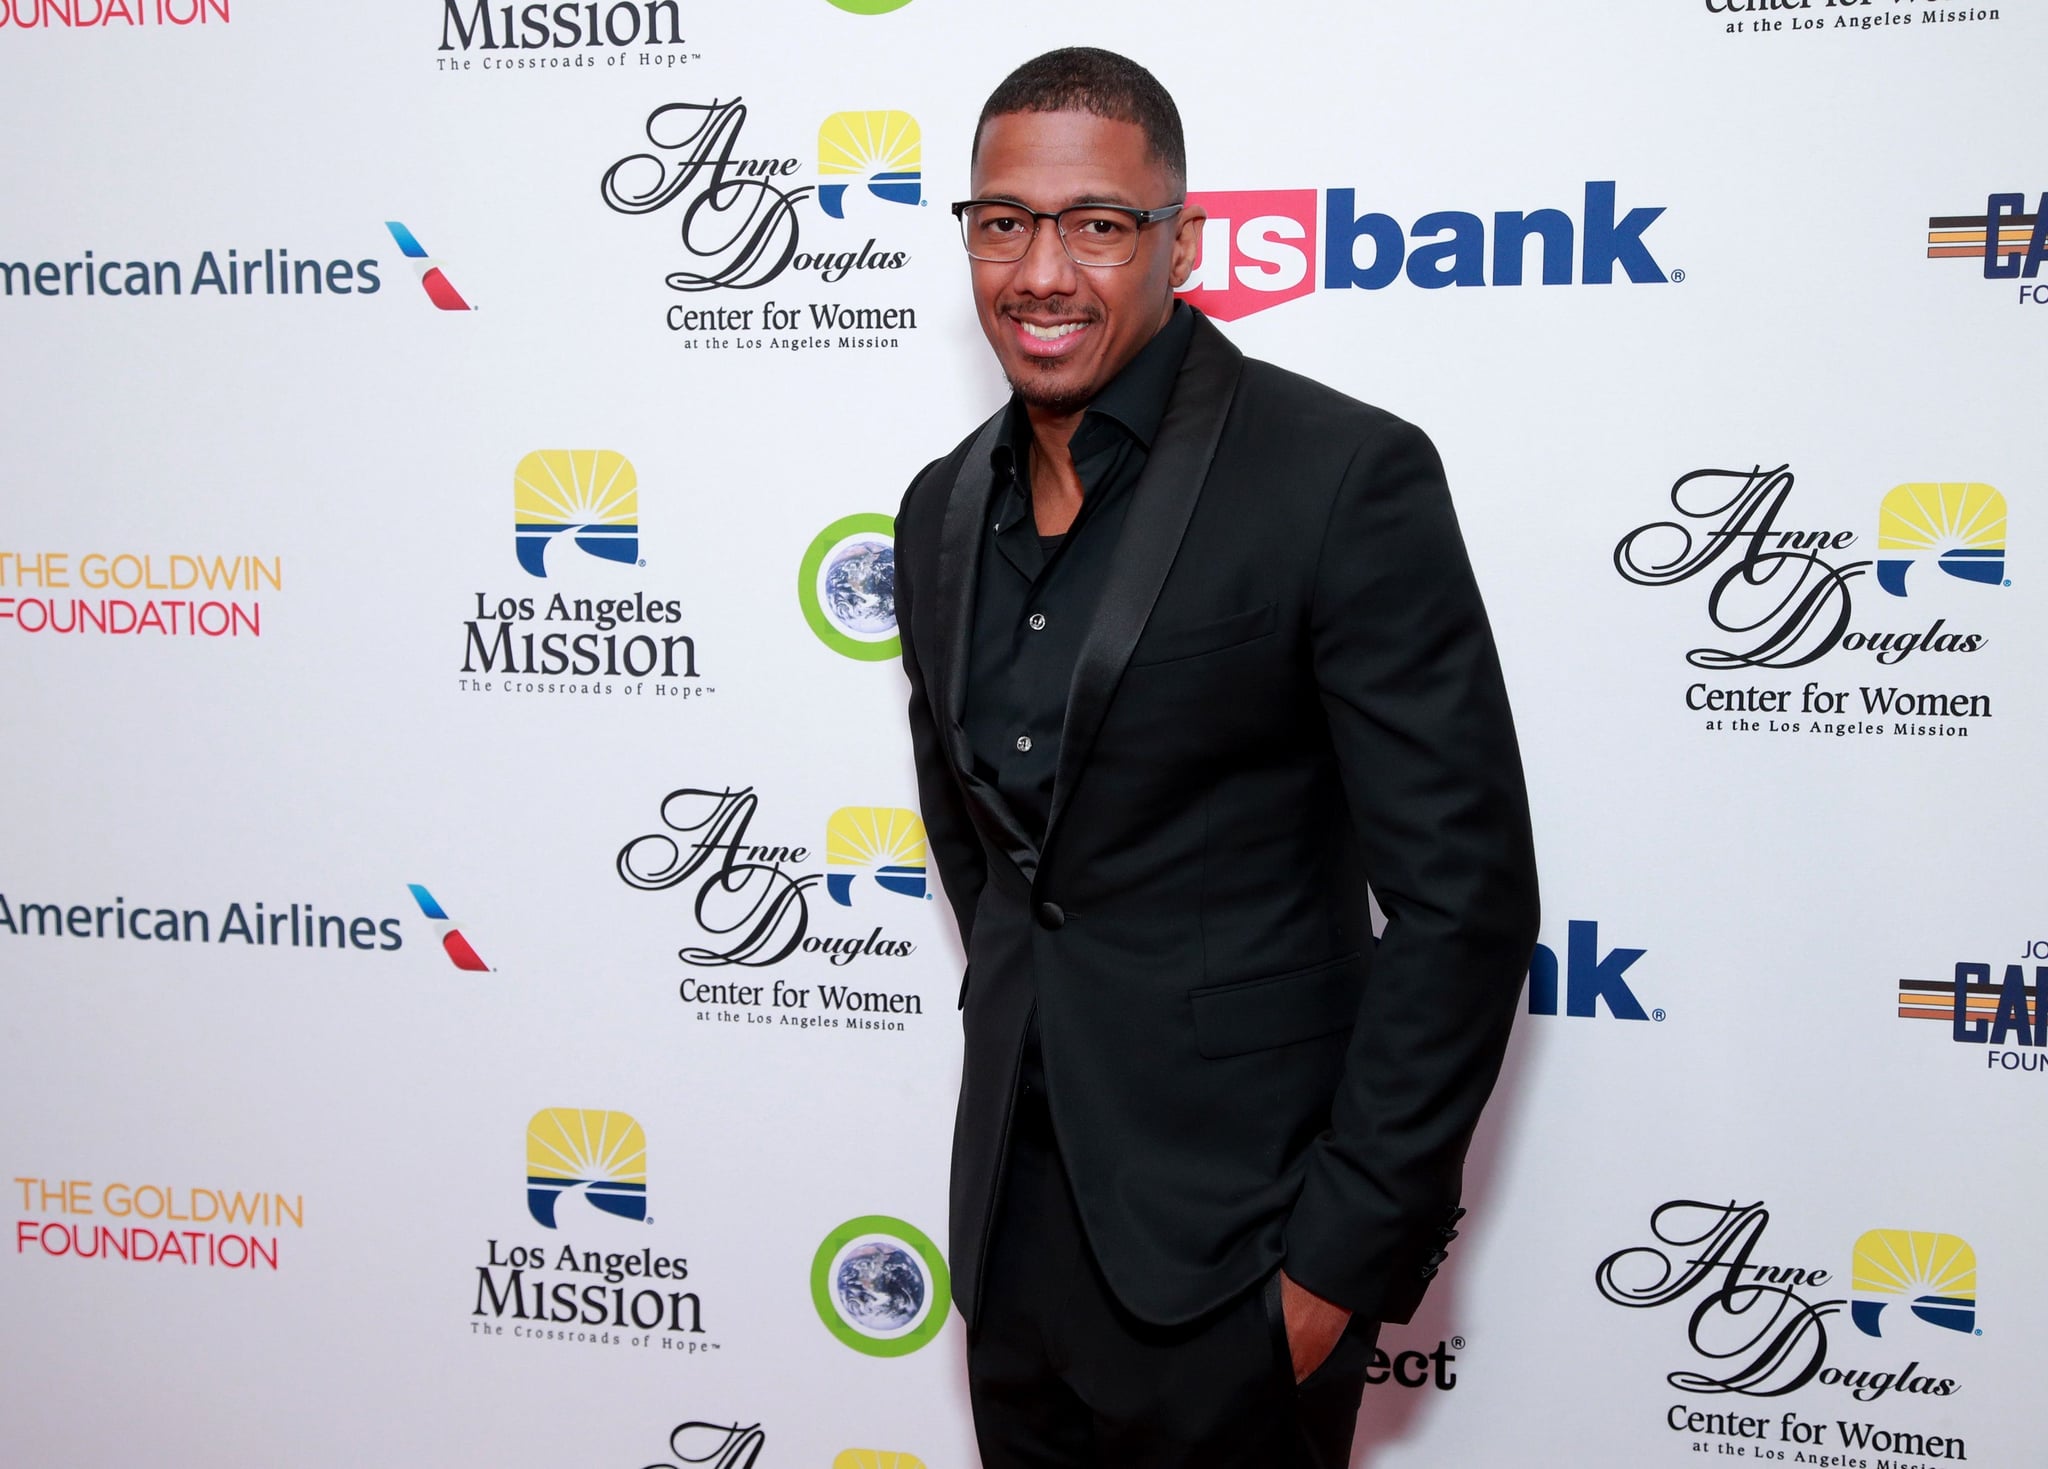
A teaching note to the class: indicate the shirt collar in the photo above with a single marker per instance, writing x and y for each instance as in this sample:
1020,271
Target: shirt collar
1135,398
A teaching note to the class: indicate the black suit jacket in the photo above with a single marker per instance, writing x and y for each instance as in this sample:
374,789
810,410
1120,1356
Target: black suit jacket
1289,689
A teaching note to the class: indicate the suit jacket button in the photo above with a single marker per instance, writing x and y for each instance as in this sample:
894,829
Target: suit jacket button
1051,915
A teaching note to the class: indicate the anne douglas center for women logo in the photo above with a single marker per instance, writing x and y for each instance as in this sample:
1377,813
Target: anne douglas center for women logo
847,587
880,1286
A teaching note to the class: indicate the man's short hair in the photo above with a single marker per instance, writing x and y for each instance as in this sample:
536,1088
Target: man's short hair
1086,79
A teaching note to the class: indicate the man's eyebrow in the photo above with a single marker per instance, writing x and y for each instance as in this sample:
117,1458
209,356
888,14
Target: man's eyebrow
1081,201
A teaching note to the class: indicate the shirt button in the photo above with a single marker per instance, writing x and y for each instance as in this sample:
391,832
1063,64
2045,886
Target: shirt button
1038,622
1023,744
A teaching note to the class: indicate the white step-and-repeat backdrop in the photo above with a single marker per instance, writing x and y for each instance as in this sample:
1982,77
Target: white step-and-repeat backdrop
473,989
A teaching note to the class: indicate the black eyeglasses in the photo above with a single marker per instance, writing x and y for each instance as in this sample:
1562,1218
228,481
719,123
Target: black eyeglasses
1001,230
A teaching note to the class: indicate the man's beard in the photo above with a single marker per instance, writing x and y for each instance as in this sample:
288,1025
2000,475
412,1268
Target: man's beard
1041,394
1035,384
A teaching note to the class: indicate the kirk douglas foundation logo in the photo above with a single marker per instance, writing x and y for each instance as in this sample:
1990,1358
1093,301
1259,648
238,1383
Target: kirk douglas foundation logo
776,254
1776,1369
1809,636
751,902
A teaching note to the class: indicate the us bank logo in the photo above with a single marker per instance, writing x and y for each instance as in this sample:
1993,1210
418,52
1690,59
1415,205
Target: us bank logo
589,496
1958,527
1263,247
1591,979
883,150
880,1286
1933,1275
883,842
846,585
601,1155
432,276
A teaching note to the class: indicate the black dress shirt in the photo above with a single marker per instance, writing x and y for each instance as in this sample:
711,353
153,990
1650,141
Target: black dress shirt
1036,595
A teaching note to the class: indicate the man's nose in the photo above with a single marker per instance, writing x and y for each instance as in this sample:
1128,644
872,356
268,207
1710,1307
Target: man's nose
1047,269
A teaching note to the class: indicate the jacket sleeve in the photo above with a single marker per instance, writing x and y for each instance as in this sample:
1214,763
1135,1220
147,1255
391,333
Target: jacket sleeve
1418,718
948,828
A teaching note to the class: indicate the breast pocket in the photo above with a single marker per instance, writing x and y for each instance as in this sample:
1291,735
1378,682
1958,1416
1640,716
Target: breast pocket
1171,644
1276,1009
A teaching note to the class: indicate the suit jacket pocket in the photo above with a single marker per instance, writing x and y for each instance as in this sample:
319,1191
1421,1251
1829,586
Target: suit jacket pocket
1169,644
1276,1010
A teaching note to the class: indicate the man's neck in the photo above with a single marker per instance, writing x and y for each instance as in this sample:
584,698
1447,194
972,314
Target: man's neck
1055,486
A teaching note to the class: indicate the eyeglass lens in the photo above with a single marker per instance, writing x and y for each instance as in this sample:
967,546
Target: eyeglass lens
998,232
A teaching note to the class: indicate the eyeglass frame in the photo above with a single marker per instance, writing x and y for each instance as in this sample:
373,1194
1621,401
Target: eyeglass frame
1141,217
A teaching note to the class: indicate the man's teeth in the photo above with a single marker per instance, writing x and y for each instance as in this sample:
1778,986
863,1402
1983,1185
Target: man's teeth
1053,333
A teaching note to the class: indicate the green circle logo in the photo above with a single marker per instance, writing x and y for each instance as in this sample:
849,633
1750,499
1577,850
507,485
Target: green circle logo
870,7
881,1286
847,587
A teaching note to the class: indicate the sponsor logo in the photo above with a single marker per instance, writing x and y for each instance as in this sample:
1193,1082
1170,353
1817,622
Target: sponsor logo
579,35
280,926
1780,596
453,944
880,1286
66,1219
433,279
751,903
214,275
600,1157
1961,528
1591,979
882,150
1261,247
885,842
1935,1275
743,221
2011,243
846,585
592,494
2007,1016
1757,1328
564,643
700,1445
1415,1367
221,594
28,15
586,1177
1795,17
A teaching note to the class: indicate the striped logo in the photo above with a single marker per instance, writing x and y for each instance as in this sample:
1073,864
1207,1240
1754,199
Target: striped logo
452,942
433,279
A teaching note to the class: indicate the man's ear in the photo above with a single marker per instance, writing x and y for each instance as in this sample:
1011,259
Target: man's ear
1187,242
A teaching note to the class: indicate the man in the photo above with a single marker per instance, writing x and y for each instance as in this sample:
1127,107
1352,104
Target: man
1194,655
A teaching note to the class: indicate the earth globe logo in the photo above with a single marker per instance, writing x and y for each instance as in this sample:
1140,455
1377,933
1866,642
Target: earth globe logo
880,1286
847,587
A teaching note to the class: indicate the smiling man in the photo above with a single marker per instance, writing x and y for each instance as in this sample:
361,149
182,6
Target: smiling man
1195,655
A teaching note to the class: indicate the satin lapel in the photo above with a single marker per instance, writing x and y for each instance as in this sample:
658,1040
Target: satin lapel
1162,503
959,571
960,534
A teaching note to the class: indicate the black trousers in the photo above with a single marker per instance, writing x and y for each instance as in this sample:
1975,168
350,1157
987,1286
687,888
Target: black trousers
1060,1374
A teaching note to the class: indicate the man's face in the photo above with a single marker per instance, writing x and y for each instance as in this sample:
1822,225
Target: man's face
1061,331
